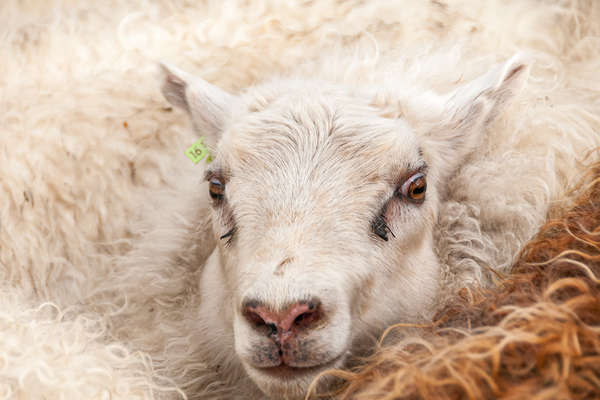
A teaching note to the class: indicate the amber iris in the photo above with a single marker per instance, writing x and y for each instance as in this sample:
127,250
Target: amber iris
414,188
216,188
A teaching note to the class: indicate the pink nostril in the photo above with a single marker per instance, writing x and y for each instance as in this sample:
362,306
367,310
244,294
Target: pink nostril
254,317
300,315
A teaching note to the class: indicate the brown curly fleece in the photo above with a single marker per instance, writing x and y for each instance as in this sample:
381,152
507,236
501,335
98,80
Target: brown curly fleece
535,336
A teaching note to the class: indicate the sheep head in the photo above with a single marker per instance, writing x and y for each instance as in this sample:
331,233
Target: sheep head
325,207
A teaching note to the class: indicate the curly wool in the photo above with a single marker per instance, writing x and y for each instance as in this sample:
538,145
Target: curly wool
50,353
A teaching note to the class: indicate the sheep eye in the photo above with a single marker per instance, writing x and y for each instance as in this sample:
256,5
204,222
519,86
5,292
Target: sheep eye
216,188
414,188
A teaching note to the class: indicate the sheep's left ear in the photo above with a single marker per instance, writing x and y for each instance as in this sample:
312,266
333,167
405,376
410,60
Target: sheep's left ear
207,105
472,107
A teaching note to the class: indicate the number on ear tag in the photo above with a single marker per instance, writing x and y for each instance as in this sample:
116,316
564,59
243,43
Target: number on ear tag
198,151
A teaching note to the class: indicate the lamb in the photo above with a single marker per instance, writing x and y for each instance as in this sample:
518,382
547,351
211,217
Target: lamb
322,219
85,128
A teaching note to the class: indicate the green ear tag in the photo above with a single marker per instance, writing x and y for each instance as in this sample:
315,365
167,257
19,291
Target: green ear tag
198,151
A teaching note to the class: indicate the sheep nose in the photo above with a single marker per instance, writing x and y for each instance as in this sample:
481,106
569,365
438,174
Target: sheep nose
284,324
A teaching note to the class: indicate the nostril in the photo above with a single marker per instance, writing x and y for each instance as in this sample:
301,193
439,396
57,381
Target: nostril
299,318
258,316
254,318
307,318
272,329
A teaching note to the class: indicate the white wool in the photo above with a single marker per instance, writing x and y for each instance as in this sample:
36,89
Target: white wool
46,352
85,132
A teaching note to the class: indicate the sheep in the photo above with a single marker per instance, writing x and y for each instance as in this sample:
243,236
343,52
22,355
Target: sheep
323,202
85,129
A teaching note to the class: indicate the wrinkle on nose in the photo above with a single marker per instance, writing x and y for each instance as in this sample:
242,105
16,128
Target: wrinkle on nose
281,265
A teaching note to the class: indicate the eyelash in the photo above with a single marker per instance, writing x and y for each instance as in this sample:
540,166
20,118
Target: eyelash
380,227
228,236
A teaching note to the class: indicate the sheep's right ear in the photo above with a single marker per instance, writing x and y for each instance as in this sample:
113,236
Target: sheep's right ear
206,104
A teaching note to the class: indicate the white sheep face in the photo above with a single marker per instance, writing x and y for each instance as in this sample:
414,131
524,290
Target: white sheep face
326,210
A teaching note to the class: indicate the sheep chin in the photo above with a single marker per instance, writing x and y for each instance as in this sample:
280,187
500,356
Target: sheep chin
290,382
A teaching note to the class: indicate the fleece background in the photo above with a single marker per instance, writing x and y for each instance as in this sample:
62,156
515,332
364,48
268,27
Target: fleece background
84,132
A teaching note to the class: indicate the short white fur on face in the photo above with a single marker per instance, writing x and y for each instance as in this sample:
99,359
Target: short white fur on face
321,245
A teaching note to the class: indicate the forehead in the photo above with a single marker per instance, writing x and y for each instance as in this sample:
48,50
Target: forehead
317,139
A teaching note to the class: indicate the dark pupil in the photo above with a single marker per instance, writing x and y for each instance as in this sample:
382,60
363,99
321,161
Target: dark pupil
417,188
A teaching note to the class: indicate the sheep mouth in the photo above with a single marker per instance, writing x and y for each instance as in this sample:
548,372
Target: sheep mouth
286,372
